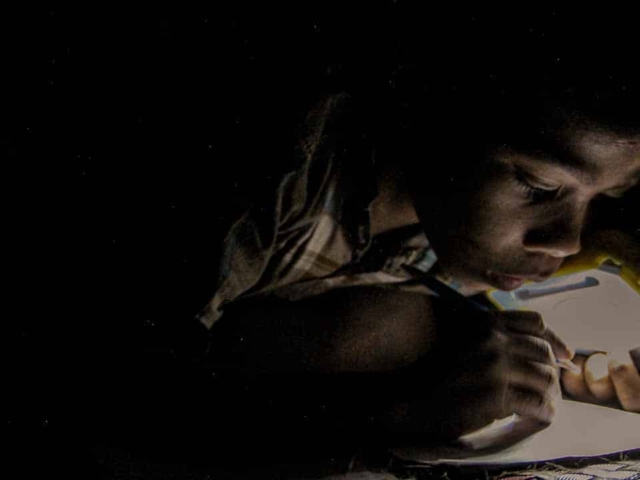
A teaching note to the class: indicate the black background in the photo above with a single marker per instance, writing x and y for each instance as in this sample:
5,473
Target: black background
127,134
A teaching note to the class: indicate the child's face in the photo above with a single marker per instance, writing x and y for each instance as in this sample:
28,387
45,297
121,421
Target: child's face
524,212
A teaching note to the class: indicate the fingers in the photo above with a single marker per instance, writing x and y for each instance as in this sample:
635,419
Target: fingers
596,377
530,403
533,390
535,376
560,349
574,383
605,381
531,348
524,322
593,385
626,382
532,380
532,323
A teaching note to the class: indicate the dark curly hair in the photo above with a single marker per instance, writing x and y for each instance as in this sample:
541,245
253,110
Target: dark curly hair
494,82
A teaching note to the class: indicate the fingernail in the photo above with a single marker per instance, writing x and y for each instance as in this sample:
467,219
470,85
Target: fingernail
621,357
596,367
569,365
615,366
571,353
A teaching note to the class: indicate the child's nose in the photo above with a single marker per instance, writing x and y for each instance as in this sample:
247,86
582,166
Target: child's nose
558,238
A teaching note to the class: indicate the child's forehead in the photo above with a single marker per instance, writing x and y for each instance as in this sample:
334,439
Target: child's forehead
600,150
593,156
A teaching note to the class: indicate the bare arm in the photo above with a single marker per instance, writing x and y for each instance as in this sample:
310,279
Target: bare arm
356,329
400,362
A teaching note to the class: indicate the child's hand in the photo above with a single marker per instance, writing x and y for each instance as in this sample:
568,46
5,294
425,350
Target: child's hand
485,367
604,380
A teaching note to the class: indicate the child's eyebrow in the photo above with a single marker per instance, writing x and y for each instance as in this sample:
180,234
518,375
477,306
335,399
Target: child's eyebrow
579,168
626,186
633,181
572,164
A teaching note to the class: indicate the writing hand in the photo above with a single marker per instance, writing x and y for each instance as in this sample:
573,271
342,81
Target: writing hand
485,366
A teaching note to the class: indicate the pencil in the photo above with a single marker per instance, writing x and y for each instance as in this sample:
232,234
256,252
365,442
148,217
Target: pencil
445,291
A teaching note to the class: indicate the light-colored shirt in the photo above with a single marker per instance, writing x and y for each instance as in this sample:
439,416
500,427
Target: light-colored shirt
311,234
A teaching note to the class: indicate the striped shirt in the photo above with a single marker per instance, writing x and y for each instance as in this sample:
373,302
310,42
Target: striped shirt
311,234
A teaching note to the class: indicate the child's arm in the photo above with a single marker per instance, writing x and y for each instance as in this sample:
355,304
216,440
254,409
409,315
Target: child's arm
407,364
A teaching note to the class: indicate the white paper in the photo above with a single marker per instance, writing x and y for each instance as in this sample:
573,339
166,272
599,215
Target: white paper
605,317
579,430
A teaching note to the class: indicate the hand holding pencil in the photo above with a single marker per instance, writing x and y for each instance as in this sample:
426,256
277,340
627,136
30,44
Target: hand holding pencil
486,365
448,293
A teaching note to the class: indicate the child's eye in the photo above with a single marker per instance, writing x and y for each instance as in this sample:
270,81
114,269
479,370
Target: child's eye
614,194
534,191
618,192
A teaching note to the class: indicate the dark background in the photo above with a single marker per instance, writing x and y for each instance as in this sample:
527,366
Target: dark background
127,135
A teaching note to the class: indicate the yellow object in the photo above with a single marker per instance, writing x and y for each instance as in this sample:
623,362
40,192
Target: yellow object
583,262
580,263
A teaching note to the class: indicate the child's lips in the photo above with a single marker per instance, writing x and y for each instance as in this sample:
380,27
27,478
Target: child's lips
505,282
502,281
